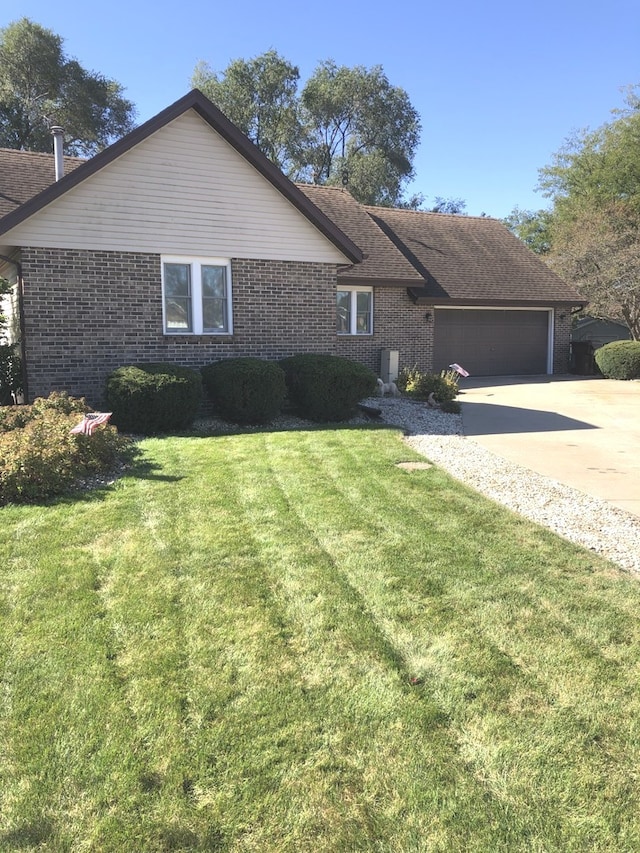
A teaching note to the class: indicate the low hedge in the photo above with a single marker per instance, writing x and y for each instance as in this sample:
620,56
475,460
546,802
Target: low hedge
153,398
40,457
245,390
327,388
619,360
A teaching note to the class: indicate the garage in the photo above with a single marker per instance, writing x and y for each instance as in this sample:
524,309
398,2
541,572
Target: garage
492,342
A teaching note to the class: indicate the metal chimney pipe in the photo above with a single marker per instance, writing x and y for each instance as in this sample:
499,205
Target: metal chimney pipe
58,150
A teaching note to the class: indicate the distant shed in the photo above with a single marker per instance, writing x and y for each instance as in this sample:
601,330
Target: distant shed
588,335
599,331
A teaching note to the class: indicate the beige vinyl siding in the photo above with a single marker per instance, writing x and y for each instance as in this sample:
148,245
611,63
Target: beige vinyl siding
183,190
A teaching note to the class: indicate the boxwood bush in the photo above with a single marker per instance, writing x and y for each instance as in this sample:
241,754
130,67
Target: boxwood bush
326,387
153,398
245,390
619,360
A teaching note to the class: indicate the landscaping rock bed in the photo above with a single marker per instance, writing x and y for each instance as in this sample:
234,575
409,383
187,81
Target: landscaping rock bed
579,517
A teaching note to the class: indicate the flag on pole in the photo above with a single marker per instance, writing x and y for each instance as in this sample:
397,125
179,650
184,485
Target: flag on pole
459,369
90,421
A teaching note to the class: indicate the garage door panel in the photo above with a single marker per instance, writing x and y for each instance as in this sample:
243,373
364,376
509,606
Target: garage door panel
492,343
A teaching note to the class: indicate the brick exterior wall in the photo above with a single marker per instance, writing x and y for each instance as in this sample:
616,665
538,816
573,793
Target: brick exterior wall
87,313
398,324
561,339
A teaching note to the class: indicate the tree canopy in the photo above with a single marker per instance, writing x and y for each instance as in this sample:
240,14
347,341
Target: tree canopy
532,227
346,126
590,234
260,96
449,205
41,86
360,129
599,251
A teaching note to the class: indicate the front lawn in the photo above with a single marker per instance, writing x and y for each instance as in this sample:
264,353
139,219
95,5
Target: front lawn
284,642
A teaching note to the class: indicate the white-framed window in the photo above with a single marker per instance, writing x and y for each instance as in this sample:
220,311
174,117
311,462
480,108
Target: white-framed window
196,296
354,310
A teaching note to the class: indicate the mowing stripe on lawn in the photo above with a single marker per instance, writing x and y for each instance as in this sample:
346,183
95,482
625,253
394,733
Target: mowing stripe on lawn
283,642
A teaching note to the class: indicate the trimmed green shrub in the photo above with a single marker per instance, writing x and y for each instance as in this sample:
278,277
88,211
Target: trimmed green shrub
619,360
245,390
327,388
413,382
42,458
153,398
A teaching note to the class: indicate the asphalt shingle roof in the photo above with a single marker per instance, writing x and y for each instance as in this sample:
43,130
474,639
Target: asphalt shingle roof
24,174
474,259
440,257
383,262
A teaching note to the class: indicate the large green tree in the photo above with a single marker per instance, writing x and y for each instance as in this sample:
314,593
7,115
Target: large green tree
260,96
598,249
361,130
532,227
591,233
594,168
41,86
347,126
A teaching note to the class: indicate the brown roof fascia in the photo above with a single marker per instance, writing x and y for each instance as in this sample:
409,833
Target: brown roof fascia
422,297
220,123
355,281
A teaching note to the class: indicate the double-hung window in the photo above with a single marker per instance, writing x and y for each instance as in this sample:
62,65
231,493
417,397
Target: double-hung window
196,296
354,310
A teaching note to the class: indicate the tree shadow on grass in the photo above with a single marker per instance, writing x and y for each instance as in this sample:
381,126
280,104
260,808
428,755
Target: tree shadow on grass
223,429
97,487
27,835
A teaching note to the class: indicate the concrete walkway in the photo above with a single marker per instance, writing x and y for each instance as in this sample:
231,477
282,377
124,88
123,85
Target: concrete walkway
581,431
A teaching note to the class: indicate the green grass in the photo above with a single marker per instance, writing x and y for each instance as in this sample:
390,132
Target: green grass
283,642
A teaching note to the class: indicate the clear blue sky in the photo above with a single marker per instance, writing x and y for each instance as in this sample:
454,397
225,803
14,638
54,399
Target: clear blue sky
498,85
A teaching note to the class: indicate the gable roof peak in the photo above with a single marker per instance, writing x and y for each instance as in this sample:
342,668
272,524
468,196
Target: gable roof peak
215,118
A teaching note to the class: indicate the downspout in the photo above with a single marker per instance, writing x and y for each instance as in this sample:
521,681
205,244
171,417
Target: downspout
23,352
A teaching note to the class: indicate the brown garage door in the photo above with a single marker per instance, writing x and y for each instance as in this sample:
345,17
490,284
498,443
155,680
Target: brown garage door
490,342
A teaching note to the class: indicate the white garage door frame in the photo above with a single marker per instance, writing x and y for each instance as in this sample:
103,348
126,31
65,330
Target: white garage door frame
550,325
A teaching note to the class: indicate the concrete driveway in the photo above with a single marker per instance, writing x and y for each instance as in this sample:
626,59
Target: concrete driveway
581,431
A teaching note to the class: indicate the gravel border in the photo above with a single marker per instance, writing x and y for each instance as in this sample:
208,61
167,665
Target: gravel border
578,517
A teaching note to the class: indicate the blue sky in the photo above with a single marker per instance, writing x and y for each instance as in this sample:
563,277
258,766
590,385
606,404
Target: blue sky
498,85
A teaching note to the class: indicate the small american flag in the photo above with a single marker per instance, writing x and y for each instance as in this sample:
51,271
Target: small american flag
459,369
90,421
